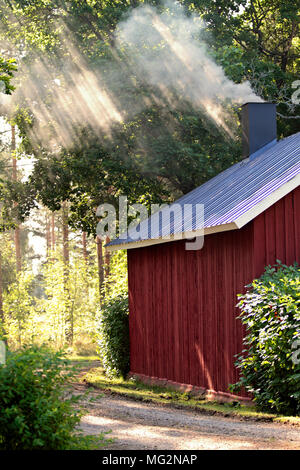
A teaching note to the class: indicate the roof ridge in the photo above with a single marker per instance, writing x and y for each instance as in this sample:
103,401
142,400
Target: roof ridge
242,162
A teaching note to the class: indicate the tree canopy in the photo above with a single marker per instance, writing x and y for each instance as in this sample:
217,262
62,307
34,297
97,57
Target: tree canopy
7,68
155,147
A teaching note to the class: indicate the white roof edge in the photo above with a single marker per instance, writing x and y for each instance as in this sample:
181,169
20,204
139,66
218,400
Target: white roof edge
176,237
268,201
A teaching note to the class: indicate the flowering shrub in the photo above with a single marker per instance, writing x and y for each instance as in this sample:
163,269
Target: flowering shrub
270,363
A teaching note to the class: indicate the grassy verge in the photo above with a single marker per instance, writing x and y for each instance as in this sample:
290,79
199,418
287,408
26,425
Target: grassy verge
137,390
82,360
100,441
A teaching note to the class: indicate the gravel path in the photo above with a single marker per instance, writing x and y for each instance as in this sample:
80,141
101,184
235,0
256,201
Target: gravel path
137,425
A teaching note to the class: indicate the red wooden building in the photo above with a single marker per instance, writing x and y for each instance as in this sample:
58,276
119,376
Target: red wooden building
183,326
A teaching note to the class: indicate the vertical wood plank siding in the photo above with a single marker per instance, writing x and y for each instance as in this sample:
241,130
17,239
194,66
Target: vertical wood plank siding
277,233
183,324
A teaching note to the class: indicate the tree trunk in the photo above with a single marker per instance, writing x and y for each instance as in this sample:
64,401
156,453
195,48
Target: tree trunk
107,258
65,230
15,177
48,236
66,259
52,232
84,247
2,328
18,249
100,265
85,257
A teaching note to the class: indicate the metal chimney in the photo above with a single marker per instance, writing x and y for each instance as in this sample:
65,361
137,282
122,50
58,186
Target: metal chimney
258,126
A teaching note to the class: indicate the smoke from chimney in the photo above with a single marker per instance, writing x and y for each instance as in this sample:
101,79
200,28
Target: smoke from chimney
163,49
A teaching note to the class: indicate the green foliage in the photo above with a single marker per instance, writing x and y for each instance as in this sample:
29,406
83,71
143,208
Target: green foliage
18,310
8,260
270,365
7,67
117,281
92,172
157,153
114,336
34,411
75,296
257,41
113,324
37,309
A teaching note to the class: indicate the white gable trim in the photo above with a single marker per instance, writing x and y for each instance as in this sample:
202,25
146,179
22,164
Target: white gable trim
268,201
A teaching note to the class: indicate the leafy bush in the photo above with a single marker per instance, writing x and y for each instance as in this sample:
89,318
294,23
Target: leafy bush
114,335
34,410
270,364
113,331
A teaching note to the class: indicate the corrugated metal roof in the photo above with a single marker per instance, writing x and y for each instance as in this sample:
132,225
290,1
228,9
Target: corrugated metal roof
227,196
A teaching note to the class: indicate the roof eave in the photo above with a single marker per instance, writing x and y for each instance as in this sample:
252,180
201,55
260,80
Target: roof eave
176,237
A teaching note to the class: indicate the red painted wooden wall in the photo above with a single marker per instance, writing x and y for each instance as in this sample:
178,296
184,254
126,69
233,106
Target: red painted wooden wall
183,324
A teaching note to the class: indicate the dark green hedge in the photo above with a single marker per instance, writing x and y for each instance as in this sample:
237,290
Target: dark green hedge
114,336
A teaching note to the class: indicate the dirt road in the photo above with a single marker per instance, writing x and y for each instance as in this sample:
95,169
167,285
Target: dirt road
137,425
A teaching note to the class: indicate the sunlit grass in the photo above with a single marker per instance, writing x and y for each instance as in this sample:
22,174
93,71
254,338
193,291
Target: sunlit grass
81,364
81,358
137,390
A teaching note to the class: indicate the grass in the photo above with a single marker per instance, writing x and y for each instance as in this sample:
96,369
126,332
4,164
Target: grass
137,390
82,362
92,442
